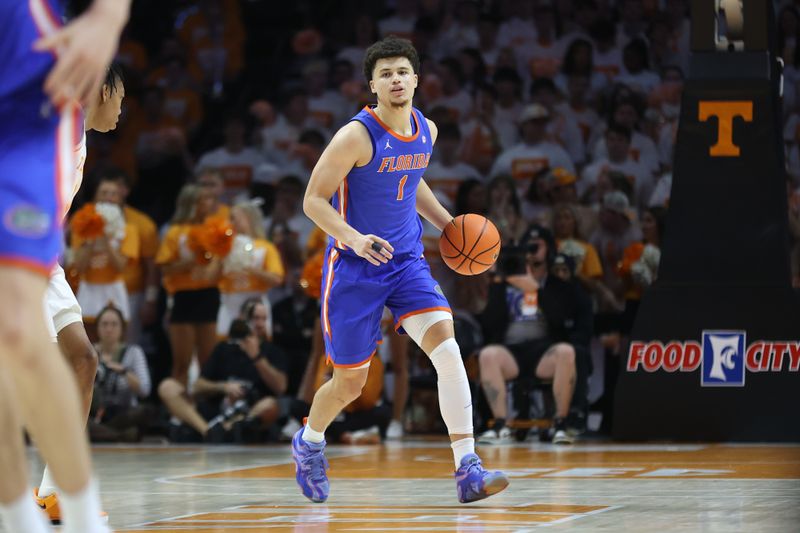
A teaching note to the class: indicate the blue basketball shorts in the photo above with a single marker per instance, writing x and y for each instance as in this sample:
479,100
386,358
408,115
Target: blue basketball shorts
354,293
37,141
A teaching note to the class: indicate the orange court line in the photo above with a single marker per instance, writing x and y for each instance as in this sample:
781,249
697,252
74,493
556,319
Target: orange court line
735,462
532,508
336,516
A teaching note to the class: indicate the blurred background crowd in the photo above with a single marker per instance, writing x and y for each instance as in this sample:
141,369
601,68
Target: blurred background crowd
556,117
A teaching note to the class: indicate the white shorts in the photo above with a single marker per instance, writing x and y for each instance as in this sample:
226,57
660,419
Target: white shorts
93,297
61,308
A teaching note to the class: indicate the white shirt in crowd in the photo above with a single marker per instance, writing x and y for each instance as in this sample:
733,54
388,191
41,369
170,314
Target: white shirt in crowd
505,123
516,33
608,63
524,161
643,82
643,149
459,104
278,137
329,110
447,179
238,169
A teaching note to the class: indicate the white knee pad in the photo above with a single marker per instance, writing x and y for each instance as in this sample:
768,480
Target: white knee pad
417,326
455,399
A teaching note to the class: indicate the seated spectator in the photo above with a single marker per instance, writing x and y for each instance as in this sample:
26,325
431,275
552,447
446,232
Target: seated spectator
505,209
639,266
568,239
236,161
471,197
288,211
446,171
123,379
618,144
628,112
615,232
535,153
240,382
252,267
637,74
535,323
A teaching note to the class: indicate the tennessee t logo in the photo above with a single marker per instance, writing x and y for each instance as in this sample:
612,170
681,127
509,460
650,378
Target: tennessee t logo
725,111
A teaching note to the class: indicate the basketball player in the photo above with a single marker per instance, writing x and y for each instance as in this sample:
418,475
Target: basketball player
372,169
39,95
65,323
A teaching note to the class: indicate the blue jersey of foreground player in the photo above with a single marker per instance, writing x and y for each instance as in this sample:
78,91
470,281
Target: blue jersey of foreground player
37,141
380,199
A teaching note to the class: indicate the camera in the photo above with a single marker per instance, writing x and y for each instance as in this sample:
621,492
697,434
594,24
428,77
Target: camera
513,259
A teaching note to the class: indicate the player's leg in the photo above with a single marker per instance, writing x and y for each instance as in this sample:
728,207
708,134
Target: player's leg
17,510
350,316
344,387
398,347
558,364
65,324
82,358
422,311
47,395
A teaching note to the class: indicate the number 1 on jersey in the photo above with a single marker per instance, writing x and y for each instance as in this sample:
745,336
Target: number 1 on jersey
400,187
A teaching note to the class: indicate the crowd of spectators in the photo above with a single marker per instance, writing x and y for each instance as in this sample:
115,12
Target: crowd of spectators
557,120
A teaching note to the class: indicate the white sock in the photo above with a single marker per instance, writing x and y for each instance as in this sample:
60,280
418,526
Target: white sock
81,510
48,484
23,515
309,435
461,448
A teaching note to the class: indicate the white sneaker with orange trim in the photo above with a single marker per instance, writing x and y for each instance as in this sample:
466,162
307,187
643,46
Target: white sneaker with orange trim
49,504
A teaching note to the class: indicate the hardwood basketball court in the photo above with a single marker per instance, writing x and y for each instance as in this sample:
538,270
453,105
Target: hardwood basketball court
408,486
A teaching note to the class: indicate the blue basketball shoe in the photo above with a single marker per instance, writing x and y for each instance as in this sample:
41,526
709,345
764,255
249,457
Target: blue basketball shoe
310,463
474,483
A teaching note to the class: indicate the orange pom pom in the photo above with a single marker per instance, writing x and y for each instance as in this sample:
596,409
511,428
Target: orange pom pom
87,224
217,236
194,240
311,277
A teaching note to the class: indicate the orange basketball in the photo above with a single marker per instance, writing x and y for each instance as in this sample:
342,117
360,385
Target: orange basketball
470,244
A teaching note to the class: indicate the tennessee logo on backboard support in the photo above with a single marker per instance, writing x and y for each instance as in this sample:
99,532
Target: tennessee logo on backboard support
725,111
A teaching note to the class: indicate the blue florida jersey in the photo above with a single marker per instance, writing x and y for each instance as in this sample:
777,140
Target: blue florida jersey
380,198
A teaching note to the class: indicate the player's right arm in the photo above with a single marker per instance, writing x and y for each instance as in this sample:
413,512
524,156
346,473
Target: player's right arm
350,147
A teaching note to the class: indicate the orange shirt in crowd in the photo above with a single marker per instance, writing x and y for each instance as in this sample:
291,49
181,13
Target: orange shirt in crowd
267,256
590,267
148,247
174,246
100,269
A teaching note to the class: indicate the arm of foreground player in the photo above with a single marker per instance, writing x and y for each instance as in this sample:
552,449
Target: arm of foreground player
349,147
427,204
85,48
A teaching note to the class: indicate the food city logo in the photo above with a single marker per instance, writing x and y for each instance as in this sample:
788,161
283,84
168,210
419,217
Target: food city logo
724,357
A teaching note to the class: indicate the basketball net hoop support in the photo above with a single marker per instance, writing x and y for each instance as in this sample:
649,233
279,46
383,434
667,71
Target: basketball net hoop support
725,252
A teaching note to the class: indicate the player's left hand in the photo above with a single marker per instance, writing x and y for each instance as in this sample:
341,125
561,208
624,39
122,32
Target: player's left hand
85,48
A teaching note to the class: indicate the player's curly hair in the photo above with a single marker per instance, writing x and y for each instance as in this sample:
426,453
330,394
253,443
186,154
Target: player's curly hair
390,46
